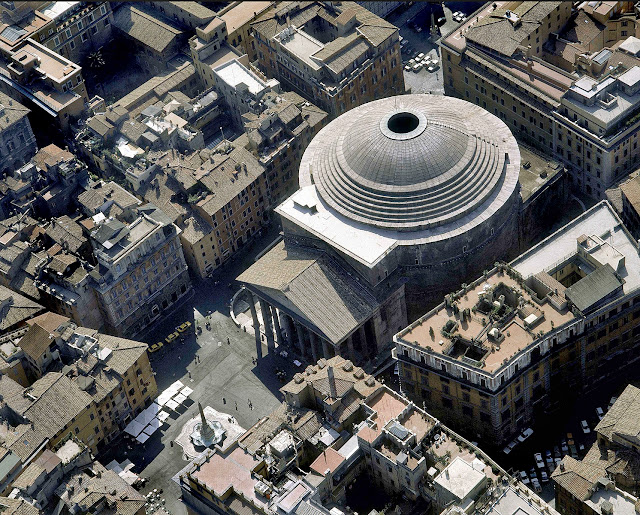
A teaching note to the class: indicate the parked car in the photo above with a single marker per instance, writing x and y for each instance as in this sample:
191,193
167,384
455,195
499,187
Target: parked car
574,452
156,347
544,476
549,461
564,447
557,462
183,327
525,434
532,474
570,441
420,56
556,452
585,427
522,475
417,67
539,461
172,337
536,485
599,412
510,447
611,402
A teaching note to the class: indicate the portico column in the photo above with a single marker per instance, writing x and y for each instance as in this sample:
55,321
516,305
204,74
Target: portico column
363,341
313,340
268,329
256,323
300,339
288,327
326,350
352,352
276,324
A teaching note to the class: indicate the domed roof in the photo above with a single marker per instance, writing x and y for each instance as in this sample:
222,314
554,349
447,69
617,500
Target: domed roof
409,162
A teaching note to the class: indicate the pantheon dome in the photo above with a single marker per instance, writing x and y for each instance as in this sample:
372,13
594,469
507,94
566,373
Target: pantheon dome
412,162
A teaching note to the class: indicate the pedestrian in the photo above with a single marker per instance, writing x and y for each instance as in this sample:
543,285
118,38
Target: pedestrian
228,341
224,401
236,405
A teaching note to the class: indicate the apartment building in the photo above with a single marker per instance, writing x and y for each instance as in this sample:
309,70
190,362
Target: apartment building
17,142
140,271
336,56
60,90
338,425
277,133
238,17
494,60
66,288
605,480
80,28
105,382
45,186
527,337
630,195
562,79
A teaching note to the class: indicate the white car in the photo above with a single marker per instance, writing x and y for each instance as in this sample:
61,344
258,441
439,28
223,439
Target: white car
557,462
407,68
536,485
544,477
420,56
431,68
600,413
417,67
524,478
612,401
525,434
585,427
539,461
510,447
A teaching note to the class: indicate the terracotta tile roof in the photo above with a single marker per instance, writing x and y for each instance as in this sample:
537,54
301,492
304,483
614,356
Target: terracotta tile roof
329,460
578,477
631,190
36,341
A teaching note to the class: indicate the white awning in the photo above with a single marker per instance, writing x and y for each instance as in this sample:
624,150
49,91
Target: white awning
162,416
172,405
142,437
180,398
149,430
154,423
186,391
164,397
134,428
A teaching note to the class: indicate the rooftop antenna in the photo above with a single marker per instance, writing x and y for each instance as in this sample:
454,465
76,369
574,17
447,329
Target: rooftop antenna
222,133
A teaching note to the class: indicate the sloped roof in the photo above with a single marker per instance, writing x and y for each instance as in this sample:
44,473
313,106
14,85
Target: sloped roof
59,399
15,308
313,287
593,288
578,477
149,28
623,417
498,33
13,111
64,229
36,341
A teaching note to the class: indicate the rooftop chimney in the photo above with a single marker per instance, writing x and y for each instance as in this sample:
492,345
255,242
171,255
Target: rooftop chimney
332,383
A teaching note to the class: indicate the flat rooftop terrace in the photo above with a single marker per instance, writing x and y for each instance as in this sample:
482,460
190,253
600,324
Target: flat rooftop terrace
600,220
541,171
50,63
234,74
486,350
